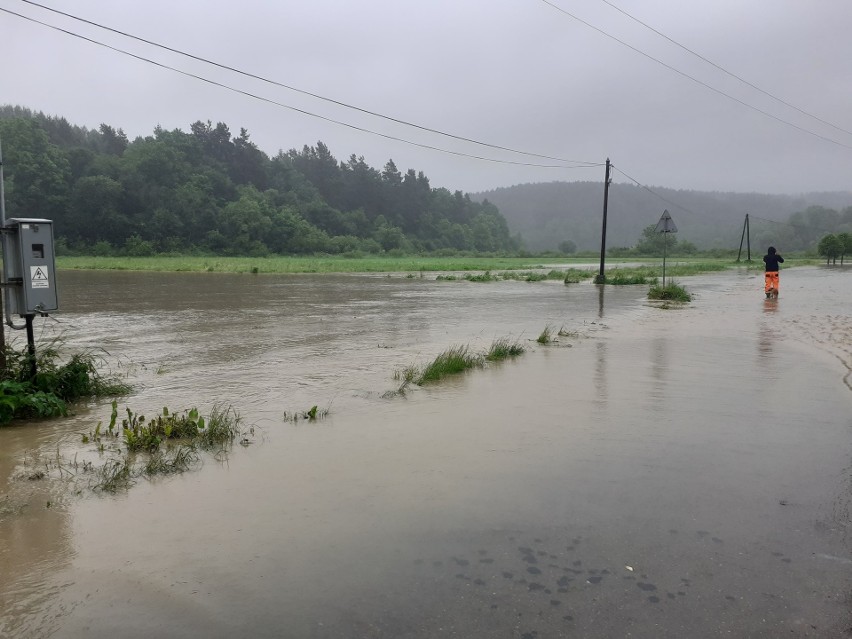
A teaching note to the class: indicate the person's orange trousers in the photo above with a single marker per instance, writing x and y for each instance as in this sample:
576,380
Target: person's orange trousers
771,281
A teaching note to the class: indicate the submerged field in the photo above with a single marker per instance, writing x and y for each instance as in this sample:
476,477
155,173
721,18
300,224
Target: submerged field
411,264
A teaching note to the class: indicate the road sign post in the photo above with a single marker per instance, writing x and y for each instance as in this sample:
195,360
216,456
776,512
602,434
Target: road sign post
666,225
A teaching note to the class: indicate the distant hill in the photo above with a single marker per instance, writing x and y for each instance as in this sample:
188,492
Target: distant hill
545,214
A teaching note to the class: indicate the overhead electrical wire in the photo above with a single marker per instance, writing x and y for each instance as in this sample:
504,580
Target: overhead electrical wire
652,192
694,79
565,162
725,71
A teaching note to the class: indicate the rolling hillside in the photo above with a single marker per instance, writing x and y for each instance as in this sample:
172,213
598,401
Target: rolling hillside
545,214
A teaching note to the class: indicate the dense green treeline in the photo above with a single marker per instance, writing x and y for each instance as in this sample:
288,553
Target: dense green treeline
209,191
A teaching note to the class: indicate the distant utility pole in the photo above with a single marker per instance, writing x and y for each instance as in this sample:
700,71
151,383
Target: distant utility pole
600,278
747,236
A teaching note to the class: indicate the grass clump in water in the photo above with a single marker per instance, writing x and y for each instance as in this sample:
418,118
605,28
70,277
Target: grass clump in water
114,475
173,462
576,275
452,361
502,349
481,277
546,336
312,414
623,277
672,292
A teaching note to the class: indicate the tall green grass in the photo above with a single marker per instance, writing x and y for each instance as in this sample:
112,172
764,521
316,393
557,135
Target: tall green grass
455,360
452,361
504,348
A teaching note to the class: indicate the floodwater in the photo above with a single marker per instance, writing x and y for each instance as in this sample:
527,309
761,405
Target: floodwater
655,473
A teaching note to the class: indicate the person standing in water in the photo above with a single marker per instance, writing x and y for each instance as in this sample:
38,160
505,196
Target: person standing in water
772,259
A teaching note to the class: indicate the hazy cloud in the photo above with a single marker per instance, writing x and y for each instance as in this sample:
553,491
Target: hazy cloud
518,74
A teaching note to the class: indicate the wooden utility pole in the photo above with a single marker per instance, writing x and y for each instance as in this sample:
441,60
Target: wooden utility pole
745,236
600,278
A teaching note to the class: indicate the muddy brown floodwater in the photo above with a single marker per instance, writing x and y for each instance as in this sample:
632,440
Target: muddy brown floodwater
655,473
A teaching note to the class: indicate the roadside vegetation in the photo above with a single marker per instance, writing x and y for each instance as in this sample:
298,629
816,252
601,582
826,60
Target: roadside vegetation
57,383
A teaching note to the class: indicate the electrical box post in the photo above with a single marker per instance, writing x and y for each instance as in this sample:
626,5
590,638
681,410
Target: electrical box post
29,266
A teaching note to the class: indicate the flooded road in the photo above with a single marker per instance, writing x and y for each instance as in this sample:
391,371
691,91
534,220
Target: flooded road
654,473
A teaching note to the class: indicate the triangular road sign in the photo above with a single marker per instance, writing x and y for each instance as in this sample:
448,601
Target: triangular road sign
666,224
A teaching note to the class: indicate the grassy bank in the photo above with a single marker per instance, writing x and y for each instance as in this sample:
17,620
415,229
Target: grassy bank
283,264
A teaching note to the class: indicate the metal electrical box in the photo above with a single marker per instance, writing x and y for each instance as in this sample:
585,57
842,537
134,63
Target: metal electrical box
29,266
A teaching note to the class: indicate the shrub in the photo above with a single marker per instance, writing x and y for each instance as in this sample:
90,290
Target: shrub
671,292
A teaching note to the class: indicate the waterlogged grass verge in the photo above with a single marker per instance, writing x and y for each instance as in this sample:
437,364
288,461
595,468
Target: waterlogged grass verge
568,276
455,360
626,276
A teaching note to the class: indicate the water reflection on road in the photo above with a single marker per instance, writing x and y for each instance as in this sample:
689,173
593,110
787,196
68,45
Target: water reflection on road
662,473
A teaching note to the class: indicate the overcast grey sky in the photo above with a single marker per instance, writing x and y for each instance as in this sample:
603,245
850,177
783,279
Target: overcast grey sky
521,74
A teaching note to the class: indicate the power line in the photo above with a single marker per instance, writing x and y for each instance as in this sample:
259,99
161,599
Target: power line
693,79
725,71
652,192
577,163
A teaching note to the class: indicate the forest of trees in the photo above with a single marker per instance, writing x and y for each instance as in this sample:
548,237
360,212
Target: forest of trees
549,214
211,191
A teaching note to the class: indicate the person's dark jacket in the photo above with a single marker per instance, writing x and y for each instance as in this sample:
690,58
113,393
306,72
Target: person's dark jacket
772,260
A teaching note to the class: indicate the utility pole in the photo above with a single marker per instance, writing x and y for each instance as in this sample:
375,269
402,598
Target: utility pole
745,236
600,278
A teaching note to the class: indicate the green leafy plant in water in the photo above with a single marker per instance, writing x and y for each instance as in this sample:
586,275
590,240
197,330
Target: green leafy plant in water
54,384
22,400
140,434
